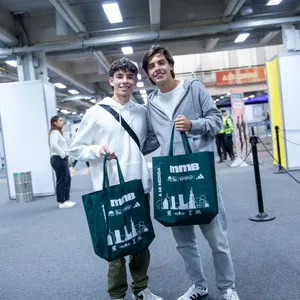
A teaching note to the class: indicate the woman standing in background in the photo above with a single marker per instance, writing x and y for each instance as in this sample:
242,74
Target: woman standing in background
59,162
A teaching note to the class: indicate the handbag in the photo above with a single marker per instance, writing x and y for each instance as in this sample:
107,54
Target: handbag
118,217
184,186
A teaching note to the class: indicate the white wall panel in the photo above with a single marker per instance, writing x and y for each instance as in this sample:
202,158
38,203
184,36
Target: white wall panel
289,67
25,134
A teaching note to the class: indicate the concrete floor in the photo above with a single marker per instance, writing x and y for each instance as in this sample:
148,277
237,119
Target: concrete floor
46,253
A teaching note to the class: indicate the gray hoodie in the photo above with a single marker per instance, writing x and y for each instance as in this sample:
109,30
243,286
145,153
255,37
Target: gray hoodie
197,105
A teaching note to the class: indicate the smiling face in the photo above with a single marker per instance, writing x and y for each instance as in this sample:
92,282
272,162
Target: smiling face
159,69
123,83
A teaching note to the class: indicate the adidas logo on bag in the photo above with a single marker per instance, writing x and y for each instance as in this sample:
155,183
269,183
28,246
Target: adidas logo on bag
137,205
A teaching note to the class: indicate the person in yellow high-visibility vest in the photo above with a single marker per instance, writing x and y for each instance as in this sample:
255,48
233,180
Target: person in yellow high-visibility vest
222,143
229,128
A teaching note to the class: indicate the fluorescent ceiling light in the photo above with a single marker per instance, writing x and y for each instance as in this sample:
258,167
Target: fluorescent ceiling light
93,100
65,111
57,109
252,96
143,91
73,92
139,76
81,115
127,50
246,98
59,85
144,96
274,2
242,37
74,113
112,11
140,84
12,63
217,100
222,97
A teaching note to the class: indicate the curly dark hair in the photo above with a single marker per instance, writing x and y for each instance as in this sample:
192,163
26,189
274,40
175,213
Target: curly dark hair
123,64
152,52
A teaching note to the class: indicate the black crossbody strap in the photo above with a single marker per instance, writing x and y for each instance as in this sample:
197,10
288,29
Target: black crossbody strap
123,123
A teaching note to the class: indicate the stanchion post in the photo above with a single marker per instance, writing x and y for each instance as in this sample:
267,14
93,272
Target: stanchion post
280,169
261,216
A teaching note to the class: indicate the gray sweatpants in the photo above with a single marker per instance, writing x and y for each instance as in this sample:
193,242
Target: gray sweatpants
216,235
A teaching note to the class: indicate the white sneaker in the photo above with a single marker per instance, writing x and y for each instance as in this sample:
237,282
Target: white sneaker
146,295
66,204
230,295
194,293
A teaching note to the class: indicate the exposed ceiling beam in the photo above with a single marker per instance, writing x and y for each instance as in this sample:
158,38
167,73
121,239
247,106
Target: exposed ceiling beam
8,75
102,60
68,13
139,37
7,37
59,71
233,7
211,44
267,38
155,7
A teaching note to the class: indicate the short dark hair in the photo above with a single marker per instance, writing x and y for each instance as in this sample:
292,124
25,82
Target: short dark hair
123,64
152,52
223,110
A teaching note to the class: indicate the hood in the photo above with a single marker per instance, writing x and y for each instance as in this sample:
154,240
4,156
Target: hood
119,107
116,105
186,85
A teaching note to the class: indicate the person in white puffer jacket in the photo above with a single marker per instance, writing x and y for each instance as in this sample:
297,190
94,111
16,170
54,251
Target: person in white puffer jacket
101,133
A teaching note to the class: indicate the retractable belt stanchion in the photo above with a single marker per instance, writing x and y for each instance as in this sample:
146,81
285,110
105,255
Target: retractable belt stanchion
261,216
280,169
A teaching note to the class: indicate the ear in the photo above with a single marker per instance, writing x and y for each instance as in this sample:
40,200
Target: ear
111,81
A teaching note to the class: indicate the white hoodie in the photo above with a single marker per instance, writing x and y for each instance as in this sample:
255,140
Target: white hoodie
99,128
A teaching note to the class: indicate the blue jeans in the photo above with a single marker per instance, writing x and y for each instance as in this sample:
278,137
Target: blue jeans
216,236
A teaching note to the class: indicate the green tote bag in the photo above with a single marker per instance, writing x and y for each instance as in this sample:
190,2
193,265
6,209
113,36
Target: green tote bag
118,217
184,187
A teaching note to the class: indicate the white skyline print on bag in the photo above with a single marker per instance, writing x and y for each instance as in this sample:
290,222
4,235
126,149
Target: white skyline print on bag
115,237
169,203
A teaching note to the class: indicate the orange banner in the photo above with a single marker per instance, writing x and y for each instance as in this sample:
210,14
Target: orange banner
241,76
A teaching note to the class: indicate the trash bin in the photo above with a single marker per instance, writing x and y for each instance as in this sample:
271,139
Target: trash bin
23,186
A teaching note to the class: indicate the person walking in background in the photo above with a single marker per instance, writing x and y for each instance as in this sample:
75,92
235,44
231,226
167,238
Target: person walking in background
188,105
74,164
102,133
59,162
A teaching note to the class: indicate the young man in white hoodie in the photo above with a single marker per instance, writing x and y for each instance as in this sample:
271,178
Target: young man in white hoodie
101,133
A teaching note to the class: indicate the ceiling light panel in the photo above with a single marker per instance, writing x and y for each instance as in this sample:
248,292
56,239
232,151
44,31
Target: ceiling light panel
112,11
73,92
242,37
127,50
12,63
274,2
59,85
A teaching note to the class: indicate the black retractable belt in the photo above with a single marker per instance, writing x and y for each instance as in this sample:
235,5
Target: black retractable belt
123,123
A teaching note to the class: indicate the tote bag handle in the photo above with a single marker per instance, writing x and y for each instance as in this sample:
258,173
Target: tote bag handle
105,183
185,141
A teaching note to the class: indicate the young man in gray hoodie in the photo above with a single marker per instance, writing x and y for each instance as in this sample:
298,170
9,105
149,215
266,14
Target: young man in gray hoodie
187,104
